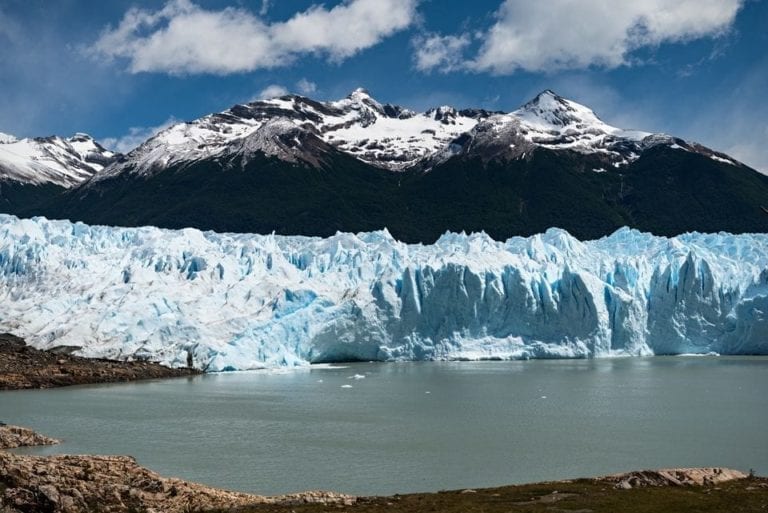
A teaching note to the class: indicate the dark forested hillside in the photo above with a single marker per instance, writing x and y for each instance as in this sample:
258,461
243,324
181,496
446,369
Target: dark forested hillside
665,192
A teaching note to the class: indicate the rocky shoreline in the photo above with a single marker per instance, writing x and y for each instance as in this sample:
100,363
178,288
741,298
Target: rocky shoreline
113,484
118,484
12,437
24,367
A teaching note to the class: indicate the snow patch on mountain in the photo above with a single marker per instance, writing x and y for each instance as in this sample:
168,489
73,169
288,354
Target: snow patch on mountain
54,160
239,301
382,135
392,137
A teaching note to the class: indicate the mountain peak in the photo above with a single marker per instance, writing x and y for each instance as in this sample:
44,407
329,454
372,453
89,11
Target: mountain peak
360,93
549,108
546,94
361,99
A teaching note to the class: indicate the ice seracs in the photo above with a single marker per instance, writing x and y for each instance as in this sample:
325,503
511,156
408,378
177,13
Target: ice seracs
52,160
239,301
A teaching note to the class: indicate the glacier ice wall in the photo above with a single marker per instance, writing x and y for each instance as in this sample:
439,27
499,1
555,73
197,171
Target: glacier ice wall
239,301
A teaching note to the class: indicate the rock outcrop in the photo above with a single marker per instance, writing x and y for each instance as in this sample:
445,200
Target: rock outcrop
12,437
674,477
117,484
24,367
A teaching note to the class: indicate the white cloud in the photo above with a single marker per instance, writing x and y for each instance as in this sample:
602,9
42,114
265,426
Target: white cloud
306,87
265,5
135,136
182,37
271,91
577,34
440,52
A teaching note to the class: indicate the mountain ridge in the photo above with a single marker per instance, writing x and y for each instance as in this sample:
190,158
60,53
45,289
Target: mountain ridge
296,166
396,138
65,162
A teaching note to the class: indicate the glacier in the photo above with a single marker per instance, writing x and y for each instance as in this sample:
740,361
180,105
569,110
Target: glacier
242,301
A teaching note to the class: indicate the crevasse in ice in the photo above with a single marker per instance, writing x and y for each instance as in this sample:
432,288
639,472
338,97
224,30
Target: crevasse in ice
241,301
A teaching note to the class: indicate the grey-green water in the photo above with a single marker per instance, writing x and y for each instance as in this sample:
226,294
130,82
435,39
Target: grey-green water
419,426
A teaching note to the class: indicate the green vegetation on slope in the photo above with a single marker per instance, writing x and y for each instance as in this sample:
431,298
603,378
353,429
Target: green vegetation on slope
584,496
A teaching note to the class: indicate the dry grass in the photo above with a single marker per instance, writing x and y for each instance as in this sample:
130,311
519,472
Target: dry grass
582,496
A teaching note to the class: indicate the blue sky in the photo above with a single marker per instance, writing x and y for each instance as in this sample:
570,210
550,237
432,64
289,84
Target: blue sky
119,69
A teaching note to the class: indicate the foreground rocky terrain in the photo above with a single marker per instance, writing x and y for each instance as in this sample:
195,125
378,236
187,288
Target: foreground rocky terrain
23,367
117,484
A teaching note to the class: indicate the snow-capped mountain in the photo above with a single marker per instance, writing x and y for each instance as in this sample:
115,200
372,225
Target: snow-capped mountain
393,137
229,301
382,135
385,136
296,166
52,160
552,122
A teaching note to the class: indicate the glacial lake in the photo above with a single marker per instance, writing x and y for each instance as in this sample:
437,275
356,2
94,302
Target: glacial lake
405,427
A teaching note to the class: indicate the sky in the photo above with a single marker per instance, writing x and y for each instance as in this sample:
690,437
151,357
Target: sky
123,69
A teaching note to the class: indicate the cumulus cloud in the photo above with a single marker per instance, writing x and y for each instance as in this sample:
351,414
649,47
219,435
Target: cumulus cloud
271,91
576,34
135,136
304,86
182,37
440,52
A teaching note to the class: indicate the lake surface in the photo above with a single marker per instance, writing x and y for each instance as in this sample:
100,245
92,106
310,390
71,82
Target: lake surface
405,427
